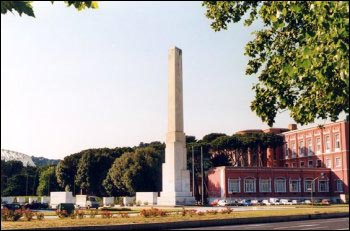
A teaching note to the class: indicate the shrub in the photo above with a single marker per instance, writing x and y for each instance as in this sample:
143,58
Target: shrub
189,212
212,212
152,212
28,214
106,214
145,203
124,215
5,214
79,214
93,213
17,214
73,215
62,213
200,213
40,216
226,211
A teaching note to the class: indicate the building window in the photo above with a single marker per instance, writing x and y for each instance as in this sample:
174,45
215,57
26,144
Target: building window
339,185
294,185
328,163
265,185
337,162
286,151
310,164
328,144
307,185
286,165
294,150
302,164
301,148
249,185
294,165
280,185
323,186
309,147
234,185
336,142
319,163
318,145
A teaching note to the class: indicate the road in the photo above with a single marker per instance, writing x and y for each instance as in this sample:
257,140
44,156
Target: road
317,224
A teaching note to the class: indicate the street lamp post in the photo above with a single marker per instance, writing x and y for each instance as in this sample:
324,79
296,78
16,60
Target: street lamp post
313,185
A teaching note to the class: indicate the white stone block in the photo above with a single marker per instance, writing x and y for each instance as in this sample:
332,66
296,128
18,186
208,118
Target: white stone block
60,197
128,200
149,198
45,199
21,200
8,200
108,201
32,200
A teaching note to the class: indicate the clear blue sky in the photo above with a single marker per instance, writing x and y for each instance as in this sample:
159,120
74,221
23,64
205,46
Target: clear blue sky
98,78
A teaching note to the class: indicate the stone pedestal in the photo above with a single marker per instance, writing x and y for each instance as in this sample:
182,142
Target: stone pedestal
176,177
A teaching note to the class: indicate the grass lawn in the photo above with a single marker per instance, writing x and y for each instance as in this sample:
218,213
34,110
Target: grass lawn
116,219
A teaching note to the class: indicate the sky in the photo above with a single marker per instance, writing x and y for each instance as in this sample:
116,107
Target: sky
73,80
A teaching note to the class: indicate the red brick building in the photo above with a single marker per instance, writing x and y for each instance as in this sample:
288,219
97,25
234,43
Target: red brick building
317,157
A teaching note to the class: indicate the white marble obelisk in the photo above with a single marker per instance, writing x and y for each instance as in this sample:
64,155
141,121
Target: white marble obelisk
176,177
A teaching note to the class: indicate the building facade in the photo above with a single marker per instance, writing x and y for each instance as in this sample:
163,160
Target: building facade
312,161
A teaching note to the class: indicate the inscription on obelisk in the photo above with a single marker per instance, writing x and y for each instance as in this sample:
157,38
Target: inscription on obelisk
176,177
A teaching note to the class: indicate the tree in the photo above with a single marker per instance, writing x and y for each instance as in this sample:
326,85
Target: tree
301,56
83,178
138,171
87,169
25,7
47,181
66,170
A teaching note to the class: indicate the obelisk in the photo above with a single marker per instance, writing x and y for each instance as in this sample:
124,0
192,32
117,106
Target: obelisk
176,177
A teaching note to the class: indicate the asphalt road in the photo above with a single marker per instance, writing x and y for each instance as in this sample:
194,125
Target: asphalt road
317,224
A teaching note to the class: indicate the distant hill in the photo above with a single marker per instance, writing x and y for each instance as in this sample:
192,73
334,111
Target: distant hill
42,161
27,160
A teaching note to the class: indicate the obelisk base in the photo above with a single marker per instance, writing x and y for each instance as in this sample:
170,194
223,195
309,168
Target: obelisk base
176,199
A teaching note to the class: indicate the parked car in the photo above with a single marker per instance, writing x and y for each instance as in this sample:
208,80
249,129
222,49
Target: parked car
265,202
307,202
12,206
36,205
92,202
286,202
325,202
245,203
214,202
296,202
276,202
223,203
68,207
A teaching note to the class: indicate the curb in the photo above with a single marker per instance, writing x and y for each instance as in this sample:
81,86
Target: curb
202,223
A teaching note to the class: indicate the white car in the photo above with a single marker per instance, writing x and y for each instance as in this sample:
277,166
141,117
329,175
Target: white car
266,202
223,203
296,202
286,202
276,202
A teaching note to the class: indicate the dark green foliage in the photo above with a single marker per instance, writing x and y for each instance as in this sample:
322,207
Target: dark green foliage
25,7
301,56
190,139
87,169
47,181
212,136
135,171
17,180
21,7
